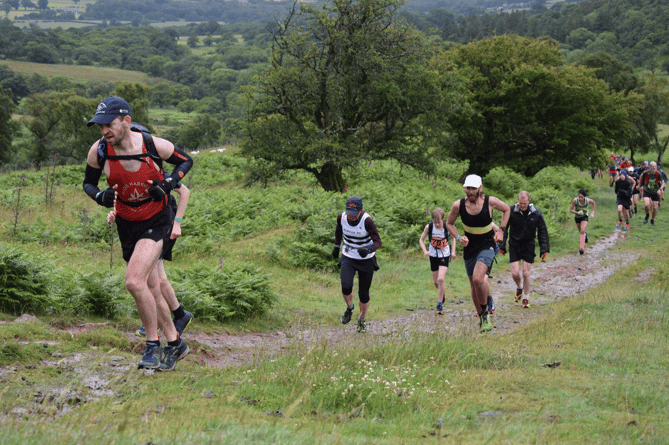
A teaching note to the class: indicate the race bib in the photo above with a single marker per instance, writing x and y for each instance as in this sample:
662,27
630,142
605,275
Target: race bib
438,243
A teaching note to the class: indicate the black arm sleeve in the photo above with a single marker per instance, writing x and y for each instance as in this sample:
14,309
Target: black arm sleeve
338,230
183,164
91,180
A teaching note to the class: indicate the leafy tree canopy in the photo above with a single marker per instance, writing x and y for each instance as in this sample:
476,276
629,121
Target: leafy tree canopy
531,111
346,83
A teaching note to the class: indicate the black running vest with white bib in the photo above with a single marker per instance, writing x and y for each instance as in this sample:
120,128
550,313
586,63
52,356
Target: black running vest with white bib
355,237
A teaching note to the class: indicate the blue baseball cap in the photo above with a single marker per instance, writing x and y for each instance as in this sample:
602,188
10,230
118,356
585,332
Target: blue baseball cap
353,206
109,109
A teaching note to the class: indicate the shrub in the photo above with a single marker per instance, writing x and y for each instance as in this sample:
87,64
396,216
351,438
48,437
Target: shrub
100,294
24,283
234,292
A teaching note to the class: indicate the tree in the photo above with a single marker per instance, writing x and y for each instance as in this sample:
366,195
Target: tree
57,123
193,41
136,94
654,111
28,4
43,4
7,126
202,131
618,75
531,111
346,83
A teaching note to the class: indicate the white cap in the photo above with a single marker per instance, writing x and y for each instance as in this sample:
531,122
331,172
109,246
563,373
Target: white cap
630,169
473,181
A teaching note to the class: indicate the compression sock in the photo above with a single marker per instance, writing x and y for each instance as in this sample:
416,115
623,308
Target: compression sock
178,312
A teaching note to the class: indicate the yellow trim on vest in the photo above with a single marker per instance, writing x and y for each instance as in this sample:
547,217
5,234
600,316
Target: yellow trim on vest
478,230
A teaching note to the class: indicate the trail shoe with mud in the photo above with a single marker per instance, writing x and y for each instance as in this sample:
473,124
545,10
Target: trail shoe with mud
440,308
172,354
526,302
491,305
485,324
362,325
181,323
347,314
151,358
519,294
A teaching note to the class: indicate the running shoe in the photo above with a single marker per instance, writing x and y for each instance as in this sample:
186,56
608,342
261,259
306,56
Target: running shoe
362,325
645,220
652,222
526,302
580,251
140,332
151,358
347,314
440,308
627,226
181,323
491,305
519,294
485,324
172,354
619,224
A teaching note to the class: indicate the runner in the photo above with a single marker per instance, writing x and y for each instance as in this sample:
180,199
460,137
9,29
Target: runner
525,224
631,172
623,188
143,218
181,318
440,253
580,208
479,242
361,241
650,183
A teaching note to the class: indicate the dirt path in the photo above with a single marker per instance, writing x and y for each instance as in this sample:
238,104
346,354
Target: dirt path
553,280
97,374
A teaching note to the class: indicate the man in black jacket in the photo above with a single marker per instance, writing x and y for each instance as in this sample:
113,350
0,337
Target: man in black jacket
525,223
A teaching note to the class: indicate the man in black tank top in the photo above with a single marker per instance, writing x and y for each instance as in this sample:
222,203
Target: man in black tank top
479,240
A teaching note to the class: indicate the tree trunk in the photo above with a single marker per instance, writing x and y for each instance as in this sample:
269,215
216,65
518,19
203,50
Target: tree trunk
330,177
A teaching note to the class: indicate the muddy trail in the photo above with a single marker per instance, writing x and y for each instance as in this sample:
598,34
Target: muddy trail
553,280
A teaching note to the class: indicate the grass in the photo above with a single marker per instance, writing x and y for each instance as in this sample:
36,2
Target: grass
610,386
76,73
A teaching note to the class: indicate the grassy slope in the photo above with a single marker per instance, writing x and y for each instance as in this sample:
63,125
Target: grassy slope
484,389
76,73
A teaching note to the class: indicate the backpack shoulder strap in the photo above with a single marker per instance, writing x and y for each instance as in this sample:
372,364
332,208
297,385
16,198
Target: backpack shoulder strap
429,230
148,142
151,148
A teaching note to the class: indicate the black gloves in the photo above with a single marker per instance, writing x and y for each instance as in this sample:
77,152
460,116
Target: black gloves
335,252
160,189
106,197
364,251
